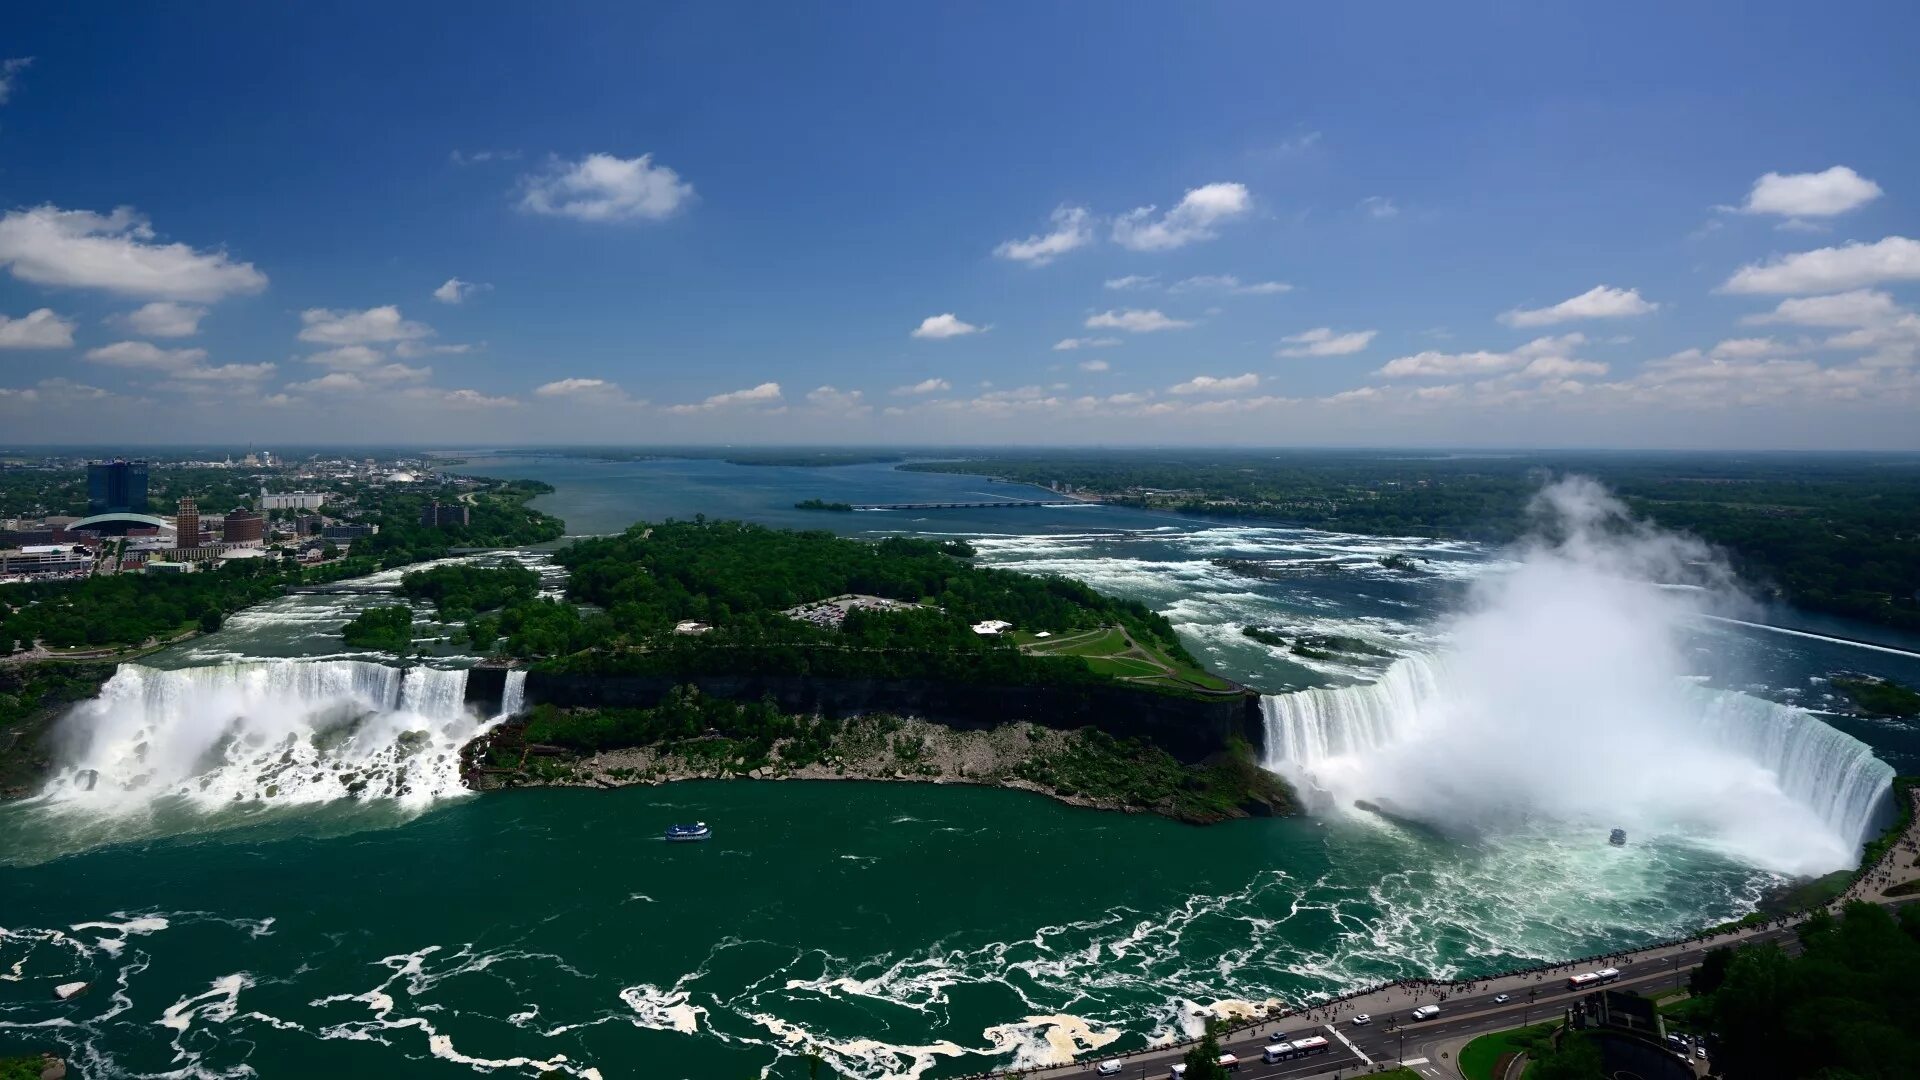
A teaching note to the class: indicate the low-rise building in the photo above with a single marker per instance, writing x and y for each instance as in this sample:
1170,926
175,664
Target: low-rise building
292,500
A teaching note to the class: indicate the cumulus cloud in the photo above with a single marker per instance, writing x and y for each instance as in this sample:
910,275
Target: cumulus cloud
766,393
164,319
1134,321
1325,341
1432,364
1856,307
1194,218
835,400
603,188
1067,344
1094,365
456,291
145,354
414,350
584,389
1599,302
37,329
117,253
939,327
1803,195
1379,207
1831,269
458,399
9,69
1072,228
225,373
1132,281
924,386
1209,384
323,326
1230,284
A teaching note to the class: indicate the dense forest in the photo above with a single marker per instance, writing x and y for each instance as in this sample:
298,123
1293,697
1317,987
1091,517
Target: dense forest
1847,1006
1837,533
737,581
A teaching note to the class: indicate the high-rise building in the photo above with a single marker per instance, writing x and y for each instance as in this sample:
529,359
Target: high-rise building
116,487
186,525
439,515
243,526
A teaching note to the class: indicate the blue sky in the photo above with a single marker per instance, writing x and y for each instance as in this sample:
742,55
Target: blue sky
1648,225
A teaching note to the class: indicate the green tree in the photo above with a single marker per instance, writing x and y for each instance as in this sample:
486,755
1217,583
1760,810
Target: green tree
1576,1058
1712,971
210,620
1203,1059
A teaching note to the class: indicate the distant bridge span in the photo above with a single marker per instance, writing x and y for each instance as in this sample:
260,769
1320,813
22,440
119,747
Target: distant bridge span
992,505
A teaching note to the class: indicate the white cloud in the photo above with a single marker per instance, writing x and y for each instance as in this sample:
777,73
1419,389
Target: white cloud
164,318
414,350
1133,281
1379,207
1072,228
835,400
1134,321
1831,269
478,157
1599,302
455,291
145,354
578,388
348,357
938,327
1325,341
1858,307
459,399
37,329
1095,365
1229,283
1561,367
604,188
226,373
8,69
323,326
1208,384
764,394
116,252
1066,344
1193,218
1447,365
924,386
334,382
1803,195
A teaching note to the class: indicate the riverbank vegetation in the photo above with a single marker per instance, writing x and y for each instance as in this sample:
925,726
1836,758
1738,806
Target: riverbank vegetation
32,697
387,629
459,591
1838,533
822,504
1847,1006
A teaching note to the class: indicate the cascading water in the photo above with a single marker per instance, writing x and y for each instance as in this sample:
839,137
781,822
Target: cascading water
272,733
513,696
1563,696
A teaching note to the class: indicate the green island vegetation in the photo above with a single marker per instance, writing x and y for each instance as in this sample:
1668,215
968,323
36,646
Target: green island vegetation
32,697
459,591
912,606
497,512
1846,1006
26,1067
822,504
1838,533
1314,646
1878,697
1400,561
387,628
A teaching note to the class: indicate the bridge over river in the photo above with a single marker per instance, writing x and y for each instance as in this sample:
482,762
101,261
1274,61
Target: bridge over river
991,505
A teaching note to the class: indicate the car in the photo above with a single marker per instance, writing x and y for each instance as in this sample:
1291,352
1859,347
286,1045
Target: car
1107,1068
1362,1018
1426,1012
1501,999
1700,1052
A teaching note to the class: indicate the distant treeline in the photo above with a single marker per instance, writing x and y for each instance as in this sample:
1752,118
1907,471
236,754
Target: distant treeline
1832,533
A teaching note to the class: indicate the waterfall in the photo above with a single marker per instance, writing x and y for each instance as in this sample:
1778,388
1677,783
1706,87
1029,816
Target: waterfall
513,696
274,732
1770,779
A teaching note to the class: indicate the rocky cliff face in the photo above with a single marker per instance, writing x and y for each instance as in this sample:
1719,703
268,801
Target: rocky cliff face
1188,728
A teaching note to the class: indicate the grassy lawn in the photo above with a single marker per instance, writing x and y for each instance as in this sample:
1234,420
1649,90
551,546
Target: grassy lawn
1482,1054
1109,652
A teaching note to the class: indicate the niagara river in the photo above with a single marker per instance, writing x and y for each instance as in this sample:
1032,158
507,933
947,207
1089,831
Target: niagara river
257,855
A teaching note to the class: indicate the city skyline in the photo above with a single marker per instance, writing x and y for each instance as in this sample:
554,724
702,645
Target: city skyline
1238,226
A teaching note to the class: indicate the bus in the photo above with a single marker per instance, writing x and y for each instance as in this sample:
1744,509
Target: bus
1298,1048
1593,978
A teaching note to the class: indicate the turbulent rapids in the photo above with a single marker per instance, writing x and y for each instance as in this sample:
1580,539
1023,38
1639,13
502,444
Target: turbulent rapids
277,732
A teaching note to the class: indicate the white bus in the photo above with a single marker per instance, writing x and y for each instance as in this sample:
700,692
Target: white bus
1229,1062
1426,1012
1298,1048
1608,974
1584,980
